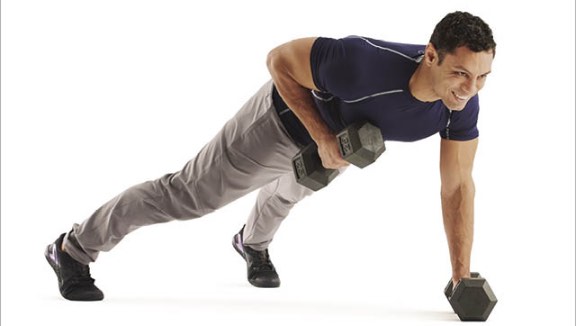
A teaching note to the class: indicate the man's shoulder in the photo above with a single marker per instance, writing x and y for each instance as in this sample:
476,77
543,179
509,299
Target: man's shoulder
409,50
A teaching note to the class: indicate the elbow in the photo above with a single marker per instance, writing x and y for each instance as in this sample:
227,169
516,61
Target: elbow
272,61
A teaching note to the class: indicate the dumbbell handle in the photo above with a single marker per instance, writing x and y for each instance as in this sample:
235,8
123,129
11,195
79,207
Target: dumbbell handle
360,144
302,168
309,171
311,148
449,287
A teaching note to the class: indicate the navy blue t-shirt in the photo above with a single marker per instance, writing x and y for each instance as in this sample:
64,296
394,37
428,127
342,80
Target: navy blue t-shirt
363,79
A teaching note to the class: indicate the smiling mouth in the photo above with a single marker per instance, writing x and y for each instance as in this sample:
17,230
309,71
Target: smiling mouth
460,98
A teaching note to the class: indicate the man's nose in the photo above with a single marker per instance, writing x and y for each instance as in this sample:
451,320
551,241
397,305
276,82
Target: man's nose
470,86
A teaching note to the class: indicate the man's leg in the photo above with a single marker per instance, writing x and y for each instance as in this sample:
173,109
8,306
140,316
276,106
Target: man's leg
250,151
272,205
274,202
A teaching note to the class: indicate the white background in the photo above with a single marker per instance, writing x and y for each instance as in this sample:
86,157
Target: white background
100,95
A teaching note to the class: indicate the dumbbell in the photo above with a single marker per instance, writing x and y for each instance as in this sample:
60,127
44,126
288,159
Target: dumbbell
472,299
360,144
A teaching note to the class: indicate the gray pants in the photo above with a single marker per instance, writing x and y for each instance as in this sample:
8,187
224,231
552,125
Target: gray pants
252,151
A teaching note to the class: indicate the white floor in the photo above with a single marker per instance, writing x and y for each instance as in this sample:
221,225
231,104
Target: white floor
188,273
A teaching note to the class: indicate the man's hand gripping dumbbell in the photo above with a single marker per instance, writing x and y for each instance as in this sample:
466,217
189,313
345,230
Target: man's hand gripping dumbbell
360,144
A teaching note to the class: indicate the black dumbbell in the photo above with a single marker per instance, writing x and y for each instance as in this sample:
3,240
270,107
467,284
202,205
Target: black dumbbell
309,170
360,144
472,299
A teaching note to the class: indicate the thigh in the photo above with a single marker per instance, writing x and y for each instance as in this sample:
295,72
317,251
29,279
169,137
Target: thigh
252,150
287,190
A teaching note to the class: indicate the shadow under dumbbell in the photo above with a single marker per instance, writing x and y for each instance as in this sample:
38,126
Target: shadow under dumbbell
427,315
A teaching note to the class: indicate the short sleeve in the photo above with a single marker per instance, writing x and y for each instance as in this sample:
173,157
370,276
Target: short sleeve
334,66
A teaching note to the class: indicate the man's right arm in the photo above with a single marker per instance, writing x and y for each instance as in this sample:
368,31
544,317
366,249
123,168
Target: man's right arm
289,66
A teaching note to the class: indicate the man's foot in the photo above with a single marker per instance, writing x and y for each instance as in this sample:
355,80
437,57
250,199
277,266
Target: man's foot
74,279
261,271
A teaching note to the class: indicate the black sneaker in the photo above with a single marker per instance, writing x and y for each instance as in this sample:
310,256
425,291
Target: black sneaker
74,278
261,271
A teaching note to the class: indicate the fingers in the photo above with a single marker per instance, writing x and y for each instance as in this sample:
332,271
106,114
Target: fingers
334,162
330,155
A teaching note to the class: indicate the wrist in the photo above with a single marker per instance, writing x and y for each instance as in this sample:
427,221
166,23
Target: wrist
458,275
322,135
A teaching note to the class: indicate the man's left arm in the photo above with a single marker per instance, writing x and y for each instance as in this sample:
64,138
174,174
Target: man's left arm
457,193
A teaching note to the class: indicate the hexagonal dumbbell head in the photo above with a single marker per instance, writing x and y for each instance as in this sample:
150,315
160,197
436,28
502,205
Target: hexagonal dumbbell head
361,144
473,299
309,171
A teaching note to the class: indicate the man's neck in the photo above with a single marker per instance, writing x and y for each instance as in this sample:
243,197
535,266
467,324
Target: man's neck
420,85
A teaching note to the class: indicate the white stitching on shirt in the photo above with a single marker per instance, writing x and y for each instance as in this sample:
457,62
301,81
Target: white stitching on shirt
448,125
393,51
321,98
374,95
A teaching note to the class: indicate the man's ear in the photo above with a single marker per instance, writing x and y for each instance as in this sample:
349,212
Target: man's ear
430,55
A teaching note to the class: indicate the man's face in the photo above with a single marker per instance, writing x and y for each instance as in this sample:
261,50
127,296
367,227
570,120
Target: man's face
460,76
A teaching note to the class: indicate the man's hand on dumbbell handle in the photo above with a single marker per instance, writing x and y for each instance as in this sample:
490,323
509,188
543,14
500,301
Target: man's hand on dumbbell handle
329,152
456,280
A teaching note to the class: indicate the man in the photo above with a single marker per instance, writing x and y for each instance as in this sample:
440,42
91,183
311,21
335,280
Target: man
319,86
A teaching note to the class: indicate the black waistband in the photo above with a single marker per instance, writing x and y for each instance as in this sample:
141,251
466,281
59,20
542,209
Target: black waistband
295,128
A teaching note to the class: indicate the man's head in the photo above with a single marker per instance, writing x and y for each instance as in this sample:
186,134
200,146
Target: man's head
458,59
459,29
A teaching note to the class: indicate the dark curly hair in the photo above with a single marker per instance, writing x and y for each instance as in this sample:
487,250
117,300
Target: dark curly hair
462,29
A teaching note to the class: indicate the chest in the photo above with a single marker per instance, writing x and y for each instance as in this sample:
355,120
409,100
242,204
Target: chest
398,115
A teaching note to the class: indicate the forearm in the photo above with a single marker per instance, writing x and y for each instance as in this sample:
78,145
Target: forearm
289,66
458,216
299,100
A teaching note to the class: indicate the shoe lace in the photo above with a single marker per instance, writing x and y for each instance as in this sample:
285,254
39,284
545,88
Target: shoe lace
262,261
80,277
83,276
